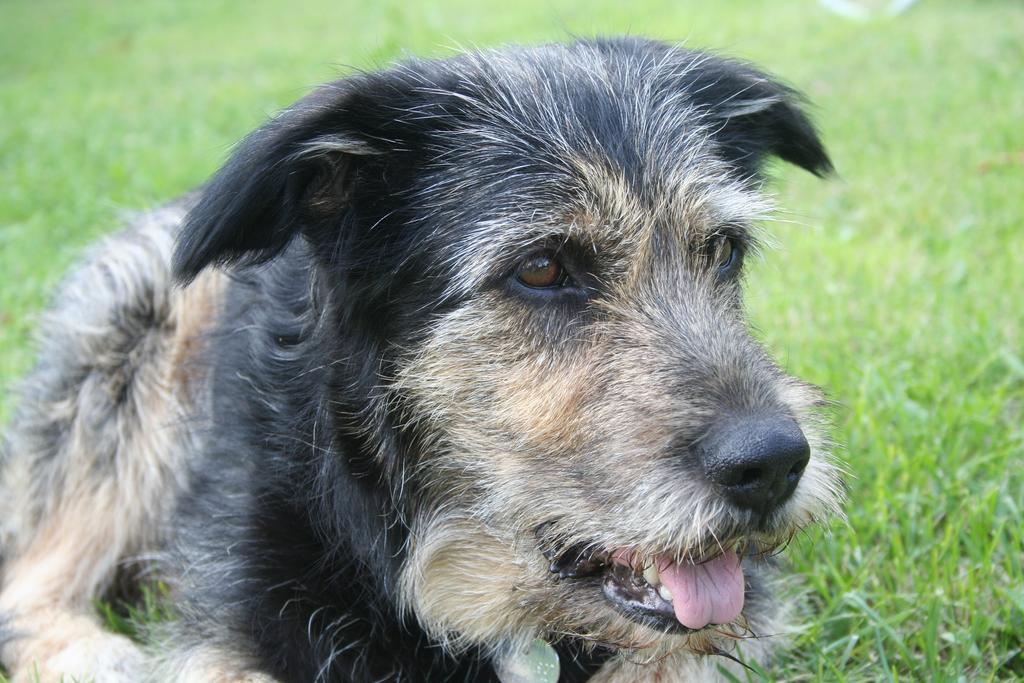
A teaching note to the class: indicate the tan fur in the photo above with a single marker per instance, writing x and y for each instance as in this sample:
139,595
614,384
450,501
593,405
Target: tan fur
436,589
542,403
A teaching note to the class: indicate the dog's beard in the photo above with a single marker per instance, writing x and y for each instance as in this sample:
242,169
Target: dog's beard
501,572
470,583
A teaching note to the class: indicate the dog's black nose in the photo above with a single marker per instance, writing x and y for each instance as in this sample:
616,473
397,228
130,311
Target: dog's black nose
756,461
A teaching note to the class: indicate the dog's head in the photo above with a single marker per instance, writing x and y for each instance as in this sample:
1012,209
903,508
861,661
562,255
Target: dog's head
532,259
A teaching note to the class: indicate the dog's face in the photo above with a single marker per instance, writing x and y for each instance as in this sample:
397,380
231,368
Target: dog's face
536,259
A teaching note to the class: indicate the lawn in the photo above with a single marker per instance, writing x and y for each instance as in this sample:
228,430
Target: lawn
897,286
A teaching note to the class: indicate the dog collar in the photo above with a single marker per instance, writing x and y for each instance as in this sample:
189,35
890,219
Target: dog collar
537,664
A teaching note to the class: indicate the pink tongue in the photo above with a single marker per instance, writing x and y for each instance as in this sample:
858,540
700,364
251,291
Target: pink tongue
708,593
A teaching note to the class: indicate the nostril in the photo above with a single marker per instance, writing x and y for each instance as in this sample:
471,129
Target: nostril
749,476
797,470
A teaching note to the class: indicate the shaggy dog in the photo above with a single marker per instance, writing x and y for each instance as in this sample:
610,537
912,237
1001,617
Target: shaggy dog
444,376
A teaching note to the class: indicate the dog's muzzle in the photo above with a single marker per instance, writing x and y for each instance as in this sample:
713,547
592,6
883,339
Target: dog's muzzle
755,463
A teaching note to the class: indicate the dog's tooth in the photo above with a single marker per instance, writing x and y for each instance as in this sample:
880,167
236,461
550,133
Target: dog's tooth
665,593
651,575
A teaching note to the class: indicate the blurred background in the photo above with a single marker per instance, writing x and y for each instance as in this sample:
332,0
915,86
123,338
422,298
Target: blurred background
898,285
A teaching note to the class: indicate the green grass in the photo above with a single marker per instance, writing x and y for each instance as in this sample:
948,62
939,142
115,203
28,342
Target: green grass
898,287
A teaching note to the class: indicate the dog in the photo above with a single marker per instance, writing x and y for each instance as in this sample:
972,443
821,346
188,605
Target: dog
444,375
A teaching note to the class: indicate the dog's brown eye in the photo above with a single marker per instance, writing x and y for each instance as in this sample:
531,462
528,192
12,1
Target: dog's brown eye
541,272
725,252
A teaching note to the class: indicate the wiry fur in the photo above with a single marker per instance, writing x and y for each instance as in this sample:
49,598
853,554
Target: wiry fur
350,452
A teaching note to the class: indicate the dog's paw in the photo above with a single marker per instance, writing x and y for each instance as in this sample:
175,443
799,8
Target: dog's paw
105,658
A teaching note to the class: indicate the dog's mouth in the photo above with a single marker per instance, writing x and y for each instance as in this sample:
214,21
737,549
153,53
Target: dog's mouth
659,592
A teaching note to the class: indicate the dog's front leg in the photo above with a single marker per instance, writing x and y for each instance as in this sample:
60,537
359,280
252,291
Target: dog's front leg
206,664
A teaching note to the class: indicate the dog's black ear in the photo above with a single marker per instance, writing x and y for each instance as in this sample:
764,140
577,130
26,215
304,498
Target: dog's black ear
757,117
293,171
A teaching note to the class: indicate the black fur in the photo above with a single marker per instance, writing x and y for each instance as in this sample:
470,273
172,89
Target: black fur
336,214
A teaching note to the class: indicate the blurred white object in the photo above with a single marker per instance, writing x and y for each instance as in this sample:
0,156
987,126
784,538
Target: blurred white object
863,9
